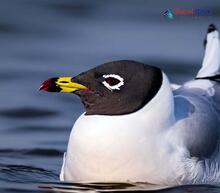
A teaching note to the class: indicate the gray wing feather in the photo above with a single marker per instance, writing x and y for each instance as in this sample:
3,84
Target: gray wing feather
197,116
197,103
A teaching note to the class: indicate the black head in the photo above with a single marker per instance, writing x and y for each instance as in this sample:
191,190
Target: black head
114,88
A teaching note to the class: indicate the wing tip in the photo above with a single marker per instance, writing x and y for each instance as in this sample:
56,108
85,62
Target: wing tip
211,28
211,61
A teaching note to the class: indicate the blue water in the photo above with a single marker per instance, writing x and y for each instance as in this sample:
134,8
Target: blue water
46,38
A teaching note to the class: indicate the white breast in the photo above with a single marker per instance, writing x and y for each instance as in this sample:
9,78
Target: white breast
150,145
115,148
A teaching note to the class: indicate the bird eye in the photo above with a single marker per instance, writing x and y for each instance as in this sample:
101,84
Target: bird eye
113,81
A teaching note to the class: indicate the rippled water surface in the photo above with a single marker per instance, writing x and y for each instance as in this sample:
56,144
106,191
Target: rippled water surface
46,38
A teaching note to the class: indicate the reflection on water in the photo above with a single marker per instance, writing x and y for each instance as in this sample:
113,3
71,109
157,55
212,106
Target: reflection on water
98,187
126,187
42,39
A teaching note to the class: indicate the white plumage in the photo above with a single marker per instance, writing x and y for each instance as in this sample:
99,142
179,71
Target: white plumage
173,139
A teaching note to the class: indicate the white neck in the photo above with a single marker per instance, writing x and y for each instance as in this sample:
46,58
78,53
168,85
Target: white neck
160,110
111,146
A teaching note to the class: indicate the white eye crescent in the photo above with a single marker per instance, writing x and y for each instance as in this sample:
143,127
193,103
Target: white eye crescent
113,81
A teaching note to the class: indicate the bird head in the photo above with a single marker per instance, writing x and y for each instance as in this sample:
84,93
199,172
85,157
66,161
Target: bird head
114,88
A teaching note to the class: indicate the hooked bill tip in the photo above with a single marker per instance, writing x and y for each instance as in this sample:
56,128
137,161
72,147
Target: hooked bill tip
45,86
50,85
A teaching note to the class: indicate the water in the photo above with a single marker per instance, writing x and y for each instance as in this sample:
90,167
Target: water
41,39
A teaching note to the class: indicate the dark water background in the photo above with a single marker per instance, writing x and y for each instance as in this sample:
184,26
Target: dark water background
46,38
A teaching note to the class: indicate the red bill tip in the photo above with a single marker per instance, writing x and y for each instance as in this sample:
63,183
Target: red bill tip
46,85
